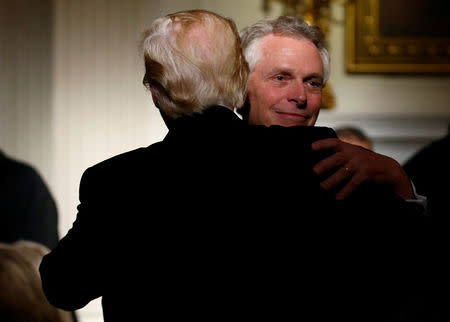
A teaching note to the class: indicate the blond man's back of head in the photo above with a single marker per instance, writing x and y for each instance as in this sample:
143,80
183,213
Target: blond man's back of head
193,60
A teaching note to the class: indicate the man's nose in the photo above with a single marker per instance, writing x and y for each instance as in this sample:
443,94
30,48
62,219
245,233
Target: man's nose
297,94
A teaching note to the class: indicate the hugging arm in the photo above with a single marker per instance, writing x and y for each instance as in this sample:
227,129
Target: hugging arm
350,166
72,272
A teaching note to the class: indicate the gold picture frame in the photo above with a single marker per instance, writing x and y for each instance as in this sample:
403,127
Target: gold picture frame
379,39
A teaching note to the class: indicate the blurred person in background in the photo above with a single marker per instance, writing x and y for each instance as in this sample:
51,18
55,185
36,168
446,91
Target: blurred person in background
355,136
21,295
429,170
27,208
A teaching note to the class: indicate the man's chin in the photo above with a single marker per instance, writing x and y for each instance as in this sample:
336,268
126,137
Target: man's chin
289,122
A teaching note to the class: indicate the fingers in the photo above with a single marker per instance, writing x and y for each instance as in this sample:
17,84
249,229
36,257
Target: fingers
332,162
326,144
347,168
344,176
350,187
337,178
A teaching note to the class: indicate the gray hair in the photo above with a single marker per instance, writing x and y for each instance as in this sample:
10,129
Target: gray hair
289,26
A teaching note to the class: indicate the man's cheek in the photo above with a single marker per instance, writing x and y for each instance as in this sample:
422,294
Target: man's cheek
271,97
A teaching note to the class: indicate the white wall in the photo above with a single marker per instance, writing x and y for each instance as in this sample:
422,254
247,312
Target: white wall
25,81
75,98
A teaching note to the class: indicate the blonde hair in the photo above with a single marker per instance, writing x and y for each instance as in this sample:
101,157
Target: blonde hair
21,297
193,60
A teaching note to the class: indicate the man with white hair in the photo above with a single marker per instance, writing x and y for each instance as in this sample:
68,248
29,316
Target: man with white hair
289,65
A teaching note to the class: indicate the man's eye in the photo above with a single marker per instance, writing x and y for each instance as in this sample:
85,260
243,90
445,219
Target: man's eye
314,84
280,78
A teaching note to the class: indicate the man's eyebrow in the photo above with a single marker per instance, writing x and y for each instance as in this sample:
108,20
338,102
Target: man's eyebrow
314,75
283,71
289,71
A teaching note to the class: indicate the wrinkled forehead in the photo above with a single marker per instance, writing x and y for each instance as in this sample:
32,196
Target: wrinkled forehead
284,54
282,48
275,42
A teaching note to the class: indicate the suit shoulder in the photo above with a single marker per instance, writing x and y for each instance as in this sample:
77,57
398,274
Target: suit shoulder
121,159
325,132
123,164
294,135
313,133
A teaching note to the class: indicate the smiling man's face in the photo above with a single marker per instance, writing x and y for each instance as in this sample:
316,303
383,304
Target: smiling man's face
285,87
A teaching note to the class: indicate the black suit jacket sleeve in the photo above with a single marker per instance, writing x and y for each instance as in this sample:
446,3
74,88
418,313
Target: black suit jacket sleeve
72,273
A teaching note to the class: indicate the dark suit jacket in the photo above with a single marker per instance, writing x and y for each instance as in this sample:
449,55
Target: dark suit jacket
27,209
217,221
429,170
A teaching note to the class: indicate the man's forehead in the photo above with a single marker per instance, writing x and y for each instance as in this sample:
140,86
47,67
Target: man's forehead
290,55
278,42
